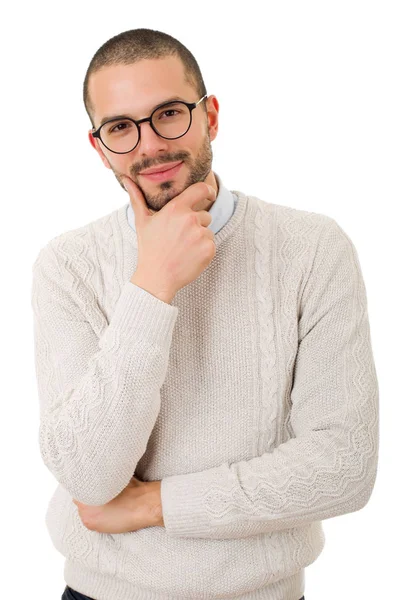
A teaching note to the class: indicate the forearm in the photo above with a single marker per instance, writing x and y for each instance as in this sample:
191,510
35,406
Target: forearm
99,380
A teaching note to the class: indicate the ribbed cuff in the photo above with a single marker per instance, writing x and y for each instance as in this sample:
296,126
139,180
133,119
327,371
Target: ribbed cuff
184,500
140,316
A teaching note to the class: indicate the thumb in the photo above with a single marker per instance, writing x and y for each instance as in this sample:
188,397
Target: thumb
137,200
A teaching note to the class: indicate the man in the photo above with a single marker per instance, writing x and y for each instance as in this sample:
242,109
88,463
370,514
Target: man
206,379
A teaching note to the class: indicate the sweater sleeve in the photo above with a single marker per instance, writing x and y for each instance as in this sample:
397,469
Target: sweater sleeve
99,395
328,468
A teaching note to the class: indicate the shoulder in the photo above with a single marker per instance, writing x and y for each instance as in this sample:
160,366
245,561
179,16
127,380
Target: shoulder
296,237
77,250
294,232
69,267
291,221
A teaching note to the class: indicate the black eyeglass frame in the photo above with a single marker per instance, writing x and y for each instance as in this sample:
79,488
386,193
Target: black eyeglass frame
190,106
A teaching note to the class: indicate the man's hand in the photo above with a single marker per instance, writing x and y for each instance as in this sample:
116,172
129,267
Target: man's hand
175,245
136,507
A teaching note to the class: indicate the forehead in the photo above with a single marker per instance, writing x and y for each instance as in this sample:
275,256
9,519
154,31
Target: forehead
135,89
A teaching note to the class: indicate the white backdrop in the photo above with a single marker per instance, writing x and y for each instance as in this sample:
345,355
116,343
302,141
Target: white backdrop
324,77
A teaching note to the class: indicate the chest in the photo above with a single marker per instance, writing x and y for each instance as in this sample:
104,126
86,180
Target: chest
226,394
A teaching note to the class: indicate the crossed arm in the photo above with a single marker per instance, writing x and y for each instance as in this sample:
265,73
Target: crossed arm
328,468
136,507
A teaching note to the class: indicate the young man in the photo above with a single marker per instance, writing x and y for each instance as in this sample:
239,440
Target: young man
207,384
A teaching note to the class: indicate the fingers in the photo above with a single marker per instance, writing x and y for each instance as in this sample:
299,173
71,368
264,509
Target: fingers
137,200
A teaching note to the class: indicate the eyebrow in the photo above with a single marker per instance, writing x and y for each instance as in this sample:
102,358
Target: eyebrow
112,117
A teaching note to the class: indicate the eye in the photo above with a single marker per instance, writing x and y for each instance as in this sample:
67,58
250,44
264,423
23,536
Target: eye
119,127
170,110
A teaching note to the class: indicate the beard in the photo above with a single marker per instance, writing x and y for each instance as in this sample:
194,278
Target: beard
198,170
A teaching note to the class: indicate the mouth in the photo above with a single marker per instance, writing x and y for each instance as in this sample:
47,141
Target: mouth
162,175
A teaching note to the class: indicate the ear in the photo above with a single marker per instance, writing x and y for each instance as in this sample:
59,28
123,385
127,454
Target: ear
212,116
96,145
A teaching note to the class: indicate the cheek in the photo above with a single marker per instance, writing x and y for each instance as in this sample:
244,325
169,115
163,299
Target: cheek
195,135
120,166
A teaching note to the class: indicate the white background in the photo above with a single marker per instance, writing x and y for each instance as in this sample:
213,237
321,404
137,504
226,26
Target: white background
324,78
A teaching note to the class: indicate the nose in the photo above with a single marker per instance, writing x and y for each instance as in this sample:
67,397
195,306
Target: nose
150,141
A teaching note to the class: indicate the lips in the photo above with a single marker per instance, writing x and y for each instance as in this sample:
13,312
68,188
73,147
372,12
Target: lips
161,168
165,175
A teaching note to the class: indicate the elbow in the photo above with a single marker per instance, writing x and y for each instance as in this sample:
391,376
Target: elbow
94,495
356,483
362,459
86,488
369,464
91,482
364,491
369,486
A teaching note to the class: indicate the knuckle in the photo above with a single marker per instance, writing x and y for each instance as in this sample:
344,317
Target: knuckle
195,236
210,246
191,218
205,189
90,523
171,206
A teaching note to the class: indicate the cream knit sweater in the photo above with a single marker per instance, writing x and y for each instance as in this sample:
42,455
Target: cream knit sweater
253,396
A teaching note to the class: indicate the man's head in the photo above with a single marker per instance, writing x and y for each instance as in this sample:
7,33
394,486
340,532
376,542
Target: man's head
130,75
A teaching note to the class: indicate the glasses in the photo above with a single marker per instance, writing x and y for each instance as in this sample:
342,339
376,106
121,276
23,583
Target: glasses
170,120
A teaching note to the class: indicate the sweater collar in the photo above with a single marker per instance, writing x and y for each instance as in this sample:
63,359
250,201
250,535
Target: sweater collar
221,210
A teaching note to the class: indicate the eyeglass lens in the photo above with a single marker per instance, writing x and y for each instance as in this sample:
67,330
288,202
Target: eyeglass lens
170,121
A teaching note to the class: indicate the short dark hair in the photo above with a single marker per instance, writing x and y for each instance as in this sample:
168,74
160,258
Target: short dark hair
137,44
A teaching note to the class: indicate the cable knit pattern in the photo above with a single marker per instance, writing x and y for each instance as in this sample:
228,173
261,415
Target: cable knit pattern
253,396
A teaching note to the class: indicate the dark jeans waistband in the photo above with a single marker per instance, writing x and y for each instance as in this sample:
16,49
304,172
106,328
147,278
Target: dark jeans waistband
70,594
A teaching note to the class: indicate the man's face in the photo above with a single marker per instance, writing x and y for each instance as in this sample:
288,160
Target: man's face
134,91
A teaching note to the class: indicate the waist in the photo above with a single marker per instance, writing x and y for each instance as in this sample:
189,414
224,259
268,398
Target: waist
99,585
